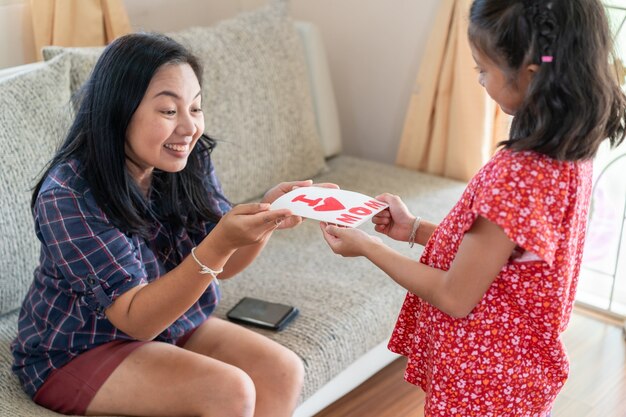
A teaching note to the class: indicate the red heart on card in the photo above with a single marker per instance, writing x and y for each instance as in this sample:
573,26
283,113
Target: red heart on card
330,204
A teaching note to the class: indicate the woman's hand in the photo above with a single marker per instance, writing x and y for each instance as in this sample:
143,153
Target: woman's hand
347,242
247,224
395,221
283,188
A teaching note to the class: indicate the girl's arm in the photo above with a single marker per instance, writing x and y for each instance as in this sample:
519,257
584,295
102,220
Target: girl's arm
485,249
424,232
146,310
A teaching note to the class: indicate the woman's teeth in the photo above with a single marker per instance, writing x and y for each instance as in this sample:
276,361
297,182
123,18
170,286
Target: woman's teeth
177,148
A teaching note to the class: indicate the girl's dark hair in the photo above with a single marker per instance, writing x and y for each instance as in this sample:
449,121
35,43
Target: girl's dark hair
97,137
574,102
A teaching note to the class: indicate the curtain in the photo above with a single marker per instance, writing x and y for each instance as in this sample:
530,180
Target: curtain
77,22
451,126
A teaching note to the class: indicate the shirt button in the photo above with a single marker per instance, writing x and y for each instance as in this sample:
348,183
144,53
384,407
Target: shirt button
91,280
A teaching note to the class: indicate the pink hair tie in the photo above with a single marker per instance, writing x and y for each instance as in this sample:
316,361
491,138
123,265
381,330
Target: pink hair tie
547,58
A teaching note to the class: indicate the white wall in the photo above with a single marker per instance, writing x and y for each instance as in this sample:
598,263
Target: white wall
374,48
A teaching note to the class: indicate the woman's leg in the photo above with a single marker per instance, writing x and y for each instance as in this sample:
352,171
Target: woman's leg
276,371
159,379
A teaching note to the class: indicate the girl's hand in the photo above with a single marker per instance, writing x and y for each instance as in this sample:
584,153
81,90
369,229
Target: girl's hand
347,242
283,188
395,221
247,224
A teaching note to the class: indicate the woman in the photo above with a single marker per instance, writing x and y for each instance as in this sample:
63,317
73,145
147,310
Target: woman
134,232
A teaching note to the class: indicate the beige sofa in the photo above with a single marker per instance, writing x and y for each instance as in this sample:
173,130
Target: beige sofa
268,100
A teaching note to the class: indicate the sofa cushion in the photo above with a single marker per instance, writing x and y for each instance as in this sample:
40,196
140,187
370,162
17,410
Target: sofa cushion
256,99
34,115
83,60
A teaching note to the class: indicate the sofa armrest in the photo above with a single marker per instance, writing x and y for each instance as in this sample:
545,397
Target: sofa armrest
11,71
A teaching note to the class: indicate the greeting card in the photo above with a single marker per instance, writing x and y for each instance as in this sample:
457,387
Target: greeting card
341,207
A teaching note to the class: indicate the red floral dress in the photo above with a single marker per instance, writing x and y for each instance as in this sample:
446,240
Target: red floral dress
505,358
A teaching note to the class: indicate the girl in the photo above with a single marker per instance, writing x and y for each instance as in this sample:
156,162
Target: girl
134,232
495,285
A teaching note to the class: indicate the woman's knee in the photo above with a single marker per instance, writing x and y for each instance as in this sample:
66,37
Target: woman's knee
298,369
291,370
236,395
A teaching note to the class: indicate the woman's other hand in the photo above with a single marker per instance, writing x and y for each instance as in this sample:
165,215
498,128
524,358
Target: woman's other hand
283,188
346,241
247,224
395,221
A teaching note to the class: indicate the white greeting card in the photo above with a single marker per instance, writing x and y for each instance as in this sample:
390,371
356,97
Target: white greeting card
341,207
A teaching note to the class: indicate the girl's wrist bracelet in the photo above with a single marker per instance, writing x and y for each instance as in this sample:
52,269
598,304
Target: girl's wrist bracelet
204,270
416,225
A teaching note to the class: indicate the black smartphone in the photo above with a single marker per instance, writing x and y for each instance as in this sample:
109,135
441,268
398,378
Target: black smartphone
262,313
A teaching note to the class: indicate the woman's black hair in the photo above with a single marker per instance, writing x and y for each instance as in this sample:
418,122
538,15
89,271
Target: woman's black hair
97,138
574,101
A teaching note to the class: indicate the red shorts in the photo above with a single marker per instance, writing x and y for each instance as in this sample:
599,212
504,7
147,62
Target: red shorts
70,389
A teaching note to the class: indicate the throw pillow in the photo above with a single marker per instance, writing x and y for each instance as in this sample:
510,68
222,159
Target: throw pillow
83,60
257,101
34,114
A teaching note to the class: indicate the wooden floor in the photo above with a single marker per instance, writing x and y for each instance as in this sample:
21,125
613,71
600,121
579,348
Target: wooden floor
596,386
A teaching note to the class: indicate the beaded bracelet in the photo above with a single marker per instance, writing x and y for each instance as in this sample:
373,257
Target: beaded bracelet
416,225
205,269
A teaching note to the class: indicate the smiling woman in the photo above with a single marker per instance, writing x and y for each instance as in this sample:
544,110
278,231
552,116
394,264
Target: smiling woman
166,125
134,231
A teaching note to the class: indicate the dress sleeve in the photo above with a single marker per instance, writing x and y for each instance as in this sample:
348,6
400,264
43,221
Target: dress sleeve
526,195
94,257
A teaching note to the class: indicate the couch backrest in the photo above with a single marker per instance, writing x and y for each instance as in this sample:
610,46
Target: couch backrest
318,71
268,99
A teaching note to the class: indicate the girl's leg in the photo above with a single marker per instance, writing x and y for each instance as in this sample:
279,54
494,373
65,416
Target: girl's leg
276,371
159,379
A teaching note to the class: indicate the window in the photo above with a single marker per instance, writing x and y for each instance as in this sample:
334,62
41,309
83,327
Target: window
603,276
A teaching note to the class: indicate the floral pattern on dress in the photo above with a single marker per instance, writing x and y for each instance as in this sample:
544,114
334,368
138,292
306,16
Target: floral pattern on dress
505,359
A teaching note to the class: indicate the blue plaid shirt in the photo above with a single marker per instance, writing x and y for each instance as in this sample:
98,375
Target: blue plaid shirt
85,264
